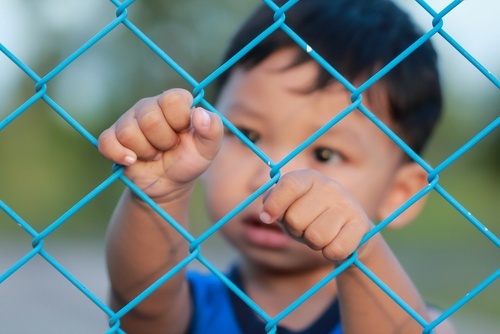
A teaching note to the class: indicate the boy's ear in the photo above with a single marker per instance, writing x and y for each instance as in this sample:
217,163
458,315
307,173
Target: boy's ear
409,179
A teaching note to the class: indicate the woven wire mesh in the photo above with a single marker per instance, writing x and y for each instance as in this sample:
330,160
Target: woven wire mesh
121,19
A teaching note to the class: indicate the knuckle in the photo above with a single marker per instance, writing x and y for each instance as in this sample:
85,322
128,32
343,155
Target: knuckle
291,182
293,220
104,137
126,134
105,142
176,96
272,206
331,189
314,238
169,142
143,102
150,120
177,111
336,251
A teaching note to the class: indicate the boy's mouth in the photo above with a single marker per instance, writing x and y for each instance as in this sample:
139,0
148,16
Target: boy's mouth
255,221
264,235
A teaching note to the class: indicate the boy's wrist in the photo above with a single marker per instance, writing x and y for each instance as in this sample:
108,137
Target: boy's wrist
177,196
368,250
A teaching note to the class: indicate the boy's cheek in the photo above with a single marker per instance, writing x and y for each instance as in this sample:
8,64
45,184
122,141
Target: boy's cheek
218,196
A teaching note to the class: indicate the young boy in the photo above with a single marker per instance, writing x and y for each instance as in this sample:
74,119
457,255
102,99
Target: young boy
327,197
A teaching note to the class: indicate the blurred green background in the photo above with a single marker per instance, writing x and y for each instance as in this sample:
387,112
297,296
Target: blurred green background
46,167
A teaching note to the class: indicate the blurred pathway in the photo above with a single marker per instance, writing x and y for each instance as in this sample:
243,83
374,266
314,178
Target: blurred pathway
38,299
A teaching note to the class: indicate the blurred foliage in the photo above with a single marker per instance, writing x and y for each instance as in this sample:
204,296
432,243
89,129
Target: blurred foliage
46,167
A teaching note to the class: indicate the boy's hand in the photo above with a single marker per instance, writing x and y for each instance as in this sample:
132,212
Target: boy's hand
163,142
318,211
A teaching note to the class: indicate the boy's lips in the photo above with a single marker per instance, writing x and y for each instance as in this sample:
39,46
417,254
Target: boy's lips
264,235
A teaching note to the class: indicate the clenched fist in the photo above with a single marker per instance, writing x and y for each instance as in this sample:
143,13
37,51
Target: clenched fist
163,142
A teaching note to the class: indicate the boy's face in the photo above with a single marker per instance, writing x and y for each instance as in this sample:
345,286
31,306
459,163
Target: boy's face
270,106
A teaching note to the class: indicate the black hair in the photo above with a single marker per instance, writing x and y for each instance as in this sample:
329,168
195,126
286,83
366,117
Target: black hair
357,37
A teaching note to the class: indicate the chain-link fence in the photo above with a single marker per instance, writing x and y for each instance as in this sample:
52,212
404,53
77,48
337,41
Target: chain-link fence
42,82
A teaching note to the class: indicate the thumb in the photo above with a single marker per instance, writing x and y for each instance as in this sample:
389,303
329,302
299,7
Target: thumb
208,130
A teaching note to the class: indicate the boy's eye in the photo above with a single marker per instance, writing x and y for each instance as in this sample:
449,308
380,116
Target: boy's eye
323,154
253,136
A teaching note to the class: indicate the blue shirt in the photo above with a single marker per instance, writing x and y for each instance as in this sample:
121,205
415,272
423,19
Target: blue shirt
216,309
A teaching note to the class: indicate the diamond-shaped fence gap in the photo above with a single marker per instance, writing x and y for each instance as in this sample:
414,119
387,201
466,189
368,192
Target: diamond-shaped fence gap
10,82
72,18
87,217
217,252
32,162
307,296
17,89
475,22
476,59
232,212
118,89
473,320
278,26
14,248
146,72
202,40
457,130
460,264
479,303
155,280
83,258
93,79
180,53
297,303
468,152
62,35
34,286
469,82
477,180
84,89
215,249
16,18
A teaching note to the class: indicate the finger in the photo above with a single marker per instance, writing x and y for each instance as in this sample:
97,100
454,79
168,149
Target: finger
176,105
266,194
303,212
346,241
290,187
112,149
208,131
322,230
154,126
129,134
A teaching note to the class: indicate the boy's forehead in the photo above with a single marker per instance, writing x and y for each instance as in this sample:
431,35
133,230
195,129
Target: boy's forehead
280,103
277,81
281,68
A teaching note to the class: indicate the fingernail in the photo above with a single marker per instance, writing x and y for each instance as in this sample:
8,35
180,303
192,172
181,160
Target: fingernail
265,217
205,117
129,160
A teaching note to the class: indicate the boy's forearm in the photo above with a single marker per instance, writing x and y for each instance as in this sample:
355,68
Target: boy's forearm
141,247
365,308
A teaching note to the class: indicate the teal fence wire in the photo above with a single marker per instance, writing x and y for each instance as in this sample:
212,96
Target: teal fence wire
38,249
